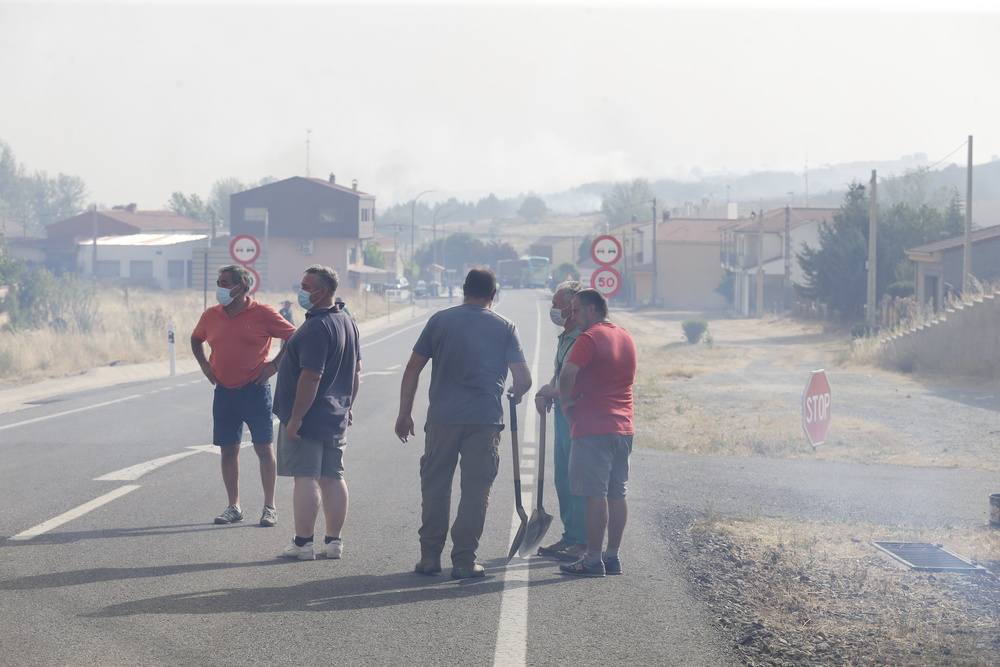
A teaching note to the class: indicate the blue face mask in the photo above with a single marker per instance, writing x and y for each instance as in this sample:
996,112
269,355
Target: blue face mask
304,300
222,295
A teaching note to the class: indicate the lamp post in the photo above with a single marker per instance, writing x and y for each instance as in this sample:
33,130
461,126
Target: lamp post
435,232
413,229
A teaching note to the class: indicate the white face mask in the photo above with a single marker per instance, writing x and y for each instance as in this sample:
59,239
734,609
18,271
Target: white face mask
222,295
555,314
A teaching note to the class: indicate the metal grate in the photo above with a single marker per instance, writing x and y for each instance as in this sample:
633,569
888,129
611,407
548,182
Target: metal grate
927,557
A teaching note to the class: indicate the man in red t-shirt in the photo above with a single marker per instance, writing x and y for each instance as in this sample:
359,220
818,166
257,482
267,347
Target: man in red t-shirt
240,330
595,391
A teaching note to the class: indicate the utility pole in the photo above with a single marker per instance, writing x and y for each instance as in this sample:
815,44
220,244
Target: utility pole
870,305
653,291
760,260
788,258
308,132
967,252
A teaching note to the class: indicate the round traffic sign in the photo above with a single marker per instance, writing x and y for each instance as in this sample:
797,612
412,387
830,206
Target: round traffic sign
254,280
244,249
816,408
606,250
606,281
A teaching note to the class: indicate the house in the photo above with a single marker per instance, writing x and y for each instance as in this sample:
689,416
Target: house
765,247
686,269
303,221
939,265
160,261
62,245
559,249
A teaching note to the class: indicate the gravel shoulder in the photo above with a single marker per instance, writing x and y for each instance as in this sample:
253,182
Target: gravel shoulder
798,583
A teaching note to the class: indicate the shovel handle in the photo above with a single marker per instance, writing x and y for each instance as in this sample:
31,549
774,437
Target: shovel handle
517,459
541,458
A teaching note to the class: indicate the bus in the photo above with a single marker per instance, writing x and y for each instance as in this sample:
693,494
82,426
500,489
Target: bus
538,271
523,272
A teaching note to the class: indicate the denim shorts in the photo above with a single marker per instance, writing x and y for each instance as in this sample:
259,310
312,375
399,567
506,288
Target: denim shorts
598,466
250,404
310,458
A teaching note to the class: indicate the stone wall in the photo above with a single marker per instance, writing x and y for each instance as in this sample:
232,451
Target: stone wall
963,341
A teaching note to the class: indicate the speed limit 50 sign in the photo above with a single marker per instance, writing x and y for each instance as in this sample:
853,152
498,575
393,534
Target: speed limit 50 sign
606,280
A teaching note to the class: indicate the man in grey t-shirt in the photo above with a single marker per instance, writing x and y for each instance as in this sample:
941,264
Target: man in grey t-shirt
472,348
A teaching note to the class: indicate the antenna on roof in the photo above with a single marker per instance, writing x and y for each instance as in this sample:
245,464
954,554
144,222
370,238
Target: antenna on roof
308,132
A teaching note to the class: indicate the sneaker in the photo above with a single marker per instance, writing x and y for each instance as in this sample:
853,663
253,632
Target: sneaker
612,565
335,549
572,553
553,549
233,514
302,553
581,569
269,517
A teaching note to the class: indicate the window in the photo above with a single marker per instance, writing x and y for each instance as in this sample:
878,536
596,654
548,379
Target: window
254,214
327,215
364,215
109,268
140,268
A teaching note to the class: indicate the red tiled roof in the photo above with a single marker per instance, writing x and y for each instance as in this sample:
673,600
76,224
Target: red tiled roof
774,220
122,222
690,230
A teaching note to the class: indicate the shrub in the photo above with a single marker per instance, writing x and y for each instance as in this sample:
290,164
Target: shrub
694,328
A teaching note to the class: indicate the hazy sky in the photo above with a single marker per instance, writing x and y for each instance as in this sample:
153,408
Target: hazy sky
465,98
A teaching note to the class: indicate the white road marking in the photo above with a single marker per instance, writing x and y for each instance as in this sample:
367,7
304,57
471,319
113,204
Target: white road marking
512,635
133,473
512,631
70,412
74,513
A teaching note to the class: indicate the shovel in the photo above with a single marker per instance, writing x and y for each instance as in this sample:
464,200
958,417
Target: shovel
540,520
517,482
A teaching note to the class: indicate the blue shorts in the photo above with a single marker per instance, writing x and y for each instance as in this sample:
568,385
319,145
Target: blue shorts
251,404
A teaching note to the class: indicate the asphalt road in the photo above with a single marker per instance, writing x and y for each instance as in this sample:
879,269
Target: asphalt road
108,553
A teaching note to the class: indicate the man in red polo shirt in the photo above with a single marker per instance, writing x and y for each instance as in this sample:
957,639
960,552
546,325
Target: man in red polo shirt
239,331
595,392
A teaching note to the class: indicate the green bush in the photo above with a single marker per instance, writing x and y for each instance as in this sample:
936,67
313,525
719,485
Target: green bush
694,328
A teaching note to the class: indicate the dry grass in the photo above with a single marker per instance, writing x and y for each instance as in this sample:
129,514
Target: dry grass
132,327
808,592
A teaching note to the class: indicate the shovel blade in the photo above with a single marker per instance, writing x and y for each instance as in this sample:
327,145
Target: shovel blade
518,539
538,525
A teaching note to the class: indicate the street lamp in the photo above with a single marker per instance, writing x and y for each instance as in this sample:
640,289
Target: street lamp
413,229
434,230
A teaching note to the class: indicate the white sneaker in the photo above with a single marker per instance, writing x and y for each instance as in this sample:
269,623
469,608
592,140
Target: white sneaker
302,553
335,549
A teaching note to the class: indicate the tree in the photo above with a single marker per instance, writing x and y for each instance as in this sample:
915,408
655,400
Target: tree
626,200
373,255
566,269
190,207
836,272
38,199
218,198
532,209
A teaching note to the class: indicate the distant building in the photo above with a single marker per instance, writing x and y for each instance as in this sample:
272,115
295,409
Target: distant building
781,233
939,266
64,238
302,221
161,261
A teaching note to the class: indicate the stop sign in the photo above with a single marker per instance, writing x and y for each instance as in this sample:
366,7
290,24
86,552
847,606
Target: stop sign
816,408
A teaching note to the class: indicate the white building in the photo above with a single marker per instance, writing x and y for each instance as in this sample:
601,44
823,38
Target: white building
154,260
